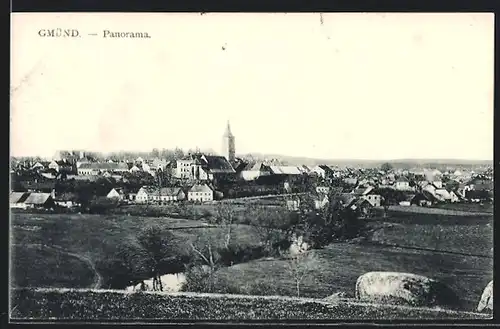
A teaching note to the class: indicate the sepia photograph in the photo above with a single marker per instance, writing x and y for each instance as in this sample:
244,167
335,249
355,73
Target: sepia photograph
170,167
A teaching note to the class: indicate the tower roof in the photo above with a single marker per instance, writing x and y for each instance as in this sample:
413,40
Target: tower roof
228,130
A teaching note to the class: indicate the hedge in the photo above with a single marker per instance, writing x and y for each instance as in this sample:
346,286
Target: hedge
84,304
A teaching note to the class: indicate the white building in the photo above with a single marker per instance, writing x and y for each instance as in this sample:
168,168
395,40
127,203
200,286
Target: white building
200,193
116,193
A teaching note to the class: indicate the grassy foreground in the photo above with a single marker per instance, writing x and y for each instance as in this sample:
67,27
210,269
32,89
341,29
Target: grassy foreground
66,304
337,267
44,267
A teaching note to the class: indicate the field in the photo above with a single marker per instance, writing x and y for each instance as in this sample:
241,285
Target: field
454,249
119,306
447,210
470,207
97,238
45,267
337,267
457,234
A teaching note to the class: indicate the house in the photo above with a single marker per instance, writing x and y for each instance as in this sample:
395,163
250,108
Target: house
478,195
200,193
351,181
153,194
107,174
368,194
167,194
374,199
156,166
402,184
444,195
183,168
407,200
437,182
323,171
323,189
305,169
480,184
361,205
40,165
116,193
321,200
142,196
146,168
39,200
254,171
95,168
67,200
46,186
17,200
285,170
436,172
54,165
430,187
203,167
208,167
293,204
424,199
60,166
88,169
134,169
90,178
455,196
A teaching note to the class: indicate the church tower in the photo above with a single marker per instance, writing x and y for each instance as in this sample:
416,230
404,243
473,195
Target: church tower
228,147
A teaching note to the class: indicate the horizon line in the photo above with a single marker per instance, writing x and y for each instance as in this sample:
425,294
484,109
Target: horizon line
107,153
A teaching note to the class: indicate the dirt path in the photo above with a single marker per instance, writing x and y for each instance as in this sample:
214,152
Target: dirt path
97,276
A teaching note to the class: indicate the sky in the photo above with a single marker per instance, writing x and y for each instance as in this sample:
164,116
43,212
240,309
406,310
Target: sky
330,86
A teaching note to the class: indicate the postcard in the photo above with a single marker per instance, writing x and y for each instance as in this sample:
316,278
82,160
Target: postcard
186,167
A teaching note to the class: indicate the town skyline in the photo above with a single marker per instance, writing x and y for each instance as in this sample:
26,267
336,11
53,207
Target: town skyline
363,86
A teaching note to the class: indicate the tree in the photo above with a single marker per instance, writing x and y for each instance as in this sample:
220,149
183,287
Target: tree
272,226
386,167
335,220
300,265
122,268
205,248
225,217
385,203
158,245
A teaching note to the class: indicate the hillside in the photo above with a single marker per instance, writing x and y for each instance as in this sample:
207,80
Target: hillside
398,163
67,304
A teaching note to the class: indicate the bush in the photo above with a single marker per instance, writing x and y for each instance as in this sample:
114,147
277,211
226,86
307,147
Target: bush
240,254
197,280
102,205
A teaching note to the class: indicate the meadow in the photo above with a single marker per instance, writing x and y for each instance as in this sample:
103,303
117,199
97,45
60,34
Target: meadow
469,207
45,267
99,238
468,235
454,249
337,267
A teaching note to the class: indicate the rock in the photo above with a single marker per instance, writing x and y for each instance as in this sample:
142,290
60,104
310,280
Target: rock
486,302
404,289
